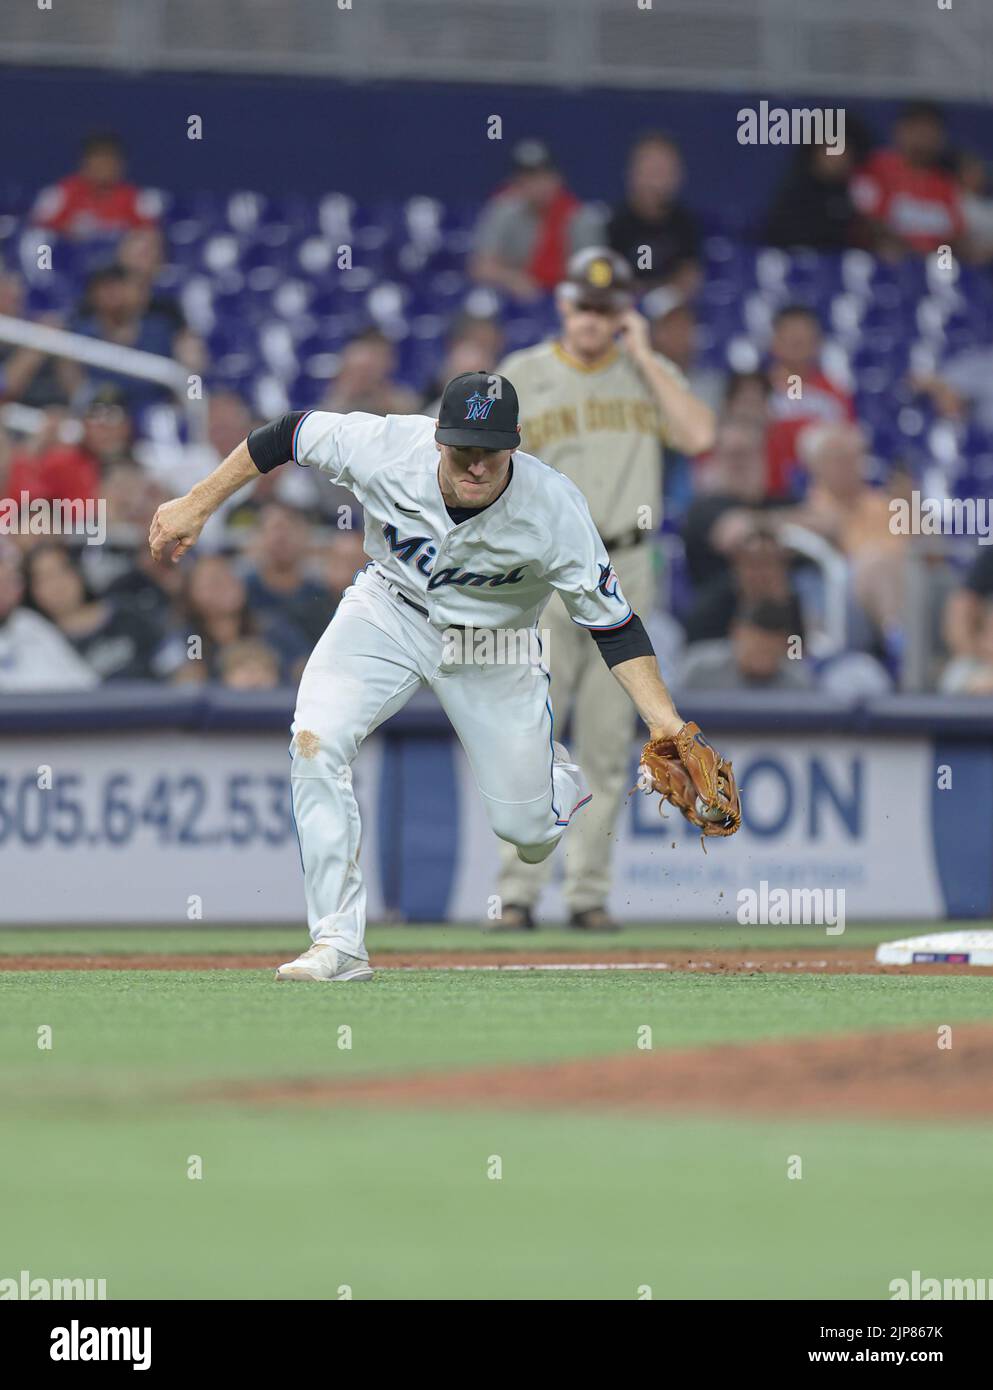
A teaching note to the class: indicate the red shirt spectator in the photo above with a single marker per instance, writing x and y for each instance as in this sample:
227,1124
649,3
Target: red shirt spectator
801,394
95,199
911,201
530,228
920,206
67,472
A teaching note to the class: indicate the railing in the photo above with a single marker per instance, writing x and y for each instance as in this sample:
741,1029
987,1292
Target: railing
888,47
78,347
832,634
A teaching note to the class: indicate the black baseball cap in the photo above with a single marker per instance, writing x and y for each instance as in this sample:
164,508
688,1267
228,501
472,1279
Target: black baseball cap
479,410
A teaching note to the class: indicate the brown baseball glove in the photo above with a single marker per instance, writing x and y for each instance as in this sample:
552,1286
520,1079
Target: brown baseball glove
687,772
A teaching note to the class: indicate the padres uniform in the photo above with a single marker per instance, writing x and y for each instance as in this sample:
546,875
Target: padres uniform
602,428
431,575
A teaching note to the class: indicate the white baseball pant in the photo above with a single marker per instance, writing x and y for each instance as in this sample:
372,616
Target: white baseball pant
375,653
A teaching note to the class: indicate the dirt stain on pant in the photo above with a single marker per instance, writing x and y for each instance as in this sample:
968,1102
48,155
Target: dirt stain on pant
306,744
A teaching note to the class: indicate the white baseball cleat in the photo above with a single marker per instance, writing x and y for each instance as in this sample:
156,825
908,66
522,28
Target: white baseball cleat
325,961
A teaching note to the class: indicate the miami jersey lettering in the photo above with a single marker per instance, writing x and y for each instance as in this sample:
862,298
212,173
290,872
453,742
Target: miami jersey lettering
498,568
405,550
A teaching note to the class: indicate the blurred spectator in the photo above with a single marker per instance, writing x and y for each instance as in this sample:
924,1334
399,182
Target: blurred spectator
177,466
115,642
746,400
851,676
754,657
962,387
249,665
976,196
801,394
122,568
214,608
906,196
142,254
730,493
964,620
278,585
676,335
96,199
151,588
33,653
813,206
528,230
131,496
364,380
841,506
47,467
758,571
973,674
115,310
27,375
655,233
344,557
474,344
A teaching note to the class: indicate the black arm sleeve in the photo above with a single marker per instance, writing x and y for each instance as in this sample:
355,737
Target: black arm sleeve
272,444
623,643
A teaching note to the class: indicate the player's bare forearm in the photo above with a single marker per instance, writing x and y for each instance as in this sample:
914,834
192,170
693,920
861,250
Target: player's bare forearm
641,679
177,524
690,424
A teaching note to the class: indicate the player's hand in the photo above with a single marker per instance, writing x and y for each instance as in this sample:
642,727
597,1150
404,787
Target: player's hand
633,335
175,527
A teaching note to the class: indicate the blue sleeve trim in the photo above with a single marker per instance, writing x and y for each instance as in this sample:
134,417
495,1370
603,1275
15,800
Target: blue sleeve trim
296,434
610,627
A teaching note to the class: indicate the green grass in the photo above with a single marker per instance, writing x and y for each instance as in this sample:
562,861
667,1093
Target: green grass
296,1205
122,1029
296,1202
384,939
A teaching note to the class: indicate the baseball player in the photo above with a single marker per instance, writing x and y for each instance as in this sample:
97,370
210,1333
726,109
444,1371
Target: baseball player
466,532
598,404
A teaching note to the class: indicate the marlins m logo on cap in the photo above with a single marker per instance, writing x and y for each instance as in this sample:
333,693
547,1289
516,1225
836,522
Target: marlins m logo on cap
479,411
478,407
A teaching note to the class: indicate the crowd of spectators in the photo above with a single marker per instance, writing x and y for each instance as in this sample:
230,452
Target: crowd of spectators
786,484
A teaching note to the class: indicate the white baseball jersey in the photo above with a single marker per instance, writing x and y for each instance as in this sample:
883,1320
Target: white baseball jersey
496,569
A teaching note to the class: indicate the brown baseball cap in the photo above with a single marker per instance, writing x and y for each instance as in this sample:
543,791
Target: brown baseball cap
600,278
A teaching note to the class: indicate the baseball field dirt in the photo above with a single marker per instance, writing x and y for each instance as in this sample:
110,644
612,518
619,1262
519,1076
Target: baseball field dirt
704,1112
892,1075
732,962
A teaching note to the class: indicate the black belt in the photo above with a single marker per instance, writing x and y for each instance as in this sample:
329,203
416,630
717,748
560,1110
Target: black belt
636,536
401,596
411,604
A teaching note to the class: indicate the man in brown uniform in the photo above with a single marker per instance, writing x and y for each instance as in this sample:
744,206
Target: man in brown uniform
598,404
